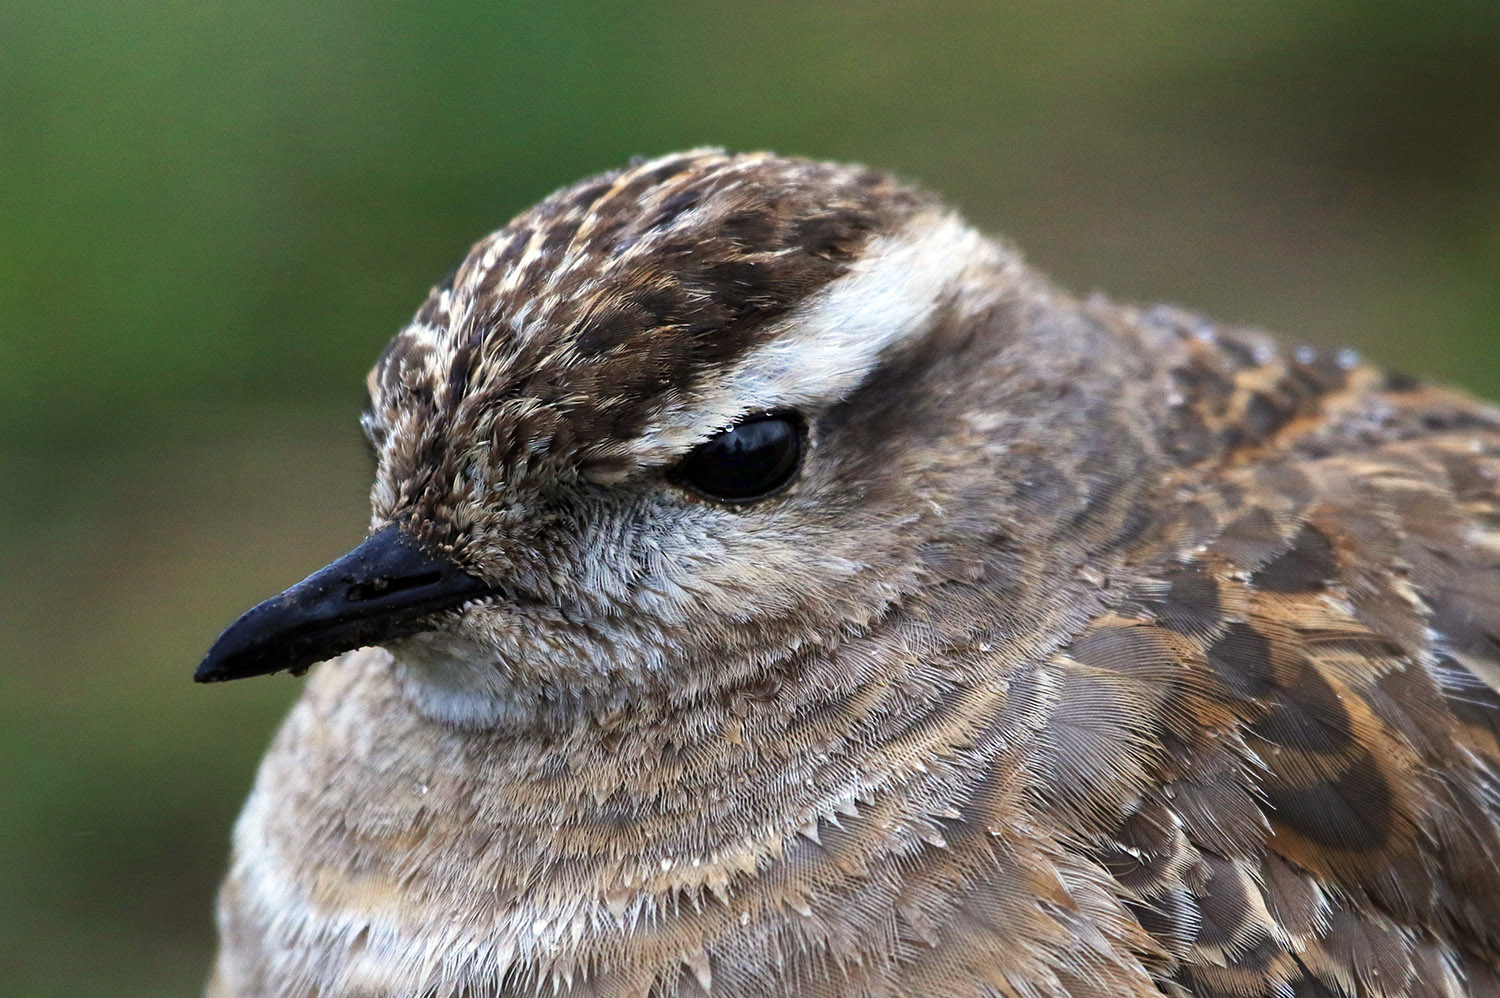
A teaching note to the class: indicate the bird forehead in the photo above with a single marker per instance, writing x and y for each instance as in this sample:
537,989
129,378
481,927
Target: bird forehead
628,291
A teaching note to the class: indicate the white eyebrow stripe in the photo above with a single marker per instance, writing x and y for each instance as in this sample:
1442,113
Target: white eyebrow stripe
830,345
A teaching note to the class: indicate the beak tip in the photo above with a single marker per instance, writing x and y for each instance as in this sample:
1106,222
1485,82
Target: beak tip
215,669
226,660
209,672
232,658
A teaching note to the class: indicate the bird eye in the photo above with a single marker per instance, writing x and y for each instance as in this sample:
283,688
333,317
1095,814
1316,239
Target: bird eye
749,461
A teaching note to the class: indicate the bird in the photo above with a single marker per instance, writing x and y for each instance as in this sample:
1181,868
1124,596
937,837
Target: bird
775,586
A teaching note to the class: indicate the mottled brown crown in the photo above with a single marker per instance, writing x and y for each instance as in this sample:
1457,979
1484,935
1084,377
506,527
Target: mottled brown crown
630,288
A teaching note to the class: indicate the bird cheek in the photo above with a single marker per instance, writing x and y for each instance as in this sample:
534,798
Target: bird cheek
449,679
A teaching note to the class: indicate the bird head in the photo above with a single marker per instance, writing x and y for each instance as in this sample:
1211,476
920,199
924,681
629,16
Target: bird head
676,424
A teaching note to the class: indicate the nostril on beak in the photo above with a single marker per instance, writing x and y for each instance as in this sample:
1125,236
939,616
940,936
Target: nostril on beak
387,585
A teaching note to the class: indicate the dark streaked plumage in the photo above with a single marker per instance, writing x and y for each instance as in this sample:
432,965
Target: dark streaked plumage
1090,652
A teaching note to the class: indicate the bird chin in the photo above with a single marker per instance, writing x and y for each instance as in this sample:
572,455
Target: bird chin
456,682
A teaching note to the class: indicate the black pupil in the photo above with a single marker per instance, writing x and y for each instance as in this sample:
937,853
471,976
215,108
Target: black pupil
745,462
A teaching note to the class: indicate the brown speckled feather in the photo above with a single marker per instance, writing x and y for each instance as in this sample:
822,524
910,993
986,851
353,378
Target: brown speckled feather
1315,808
1091,652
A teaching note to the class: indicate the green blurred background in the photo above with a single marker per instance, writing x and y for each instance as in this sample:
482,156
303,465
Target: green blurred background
213,215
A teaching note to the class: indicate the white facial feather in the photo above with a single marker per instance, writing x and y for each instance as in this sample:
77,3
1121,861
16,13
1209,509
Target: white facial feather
830,345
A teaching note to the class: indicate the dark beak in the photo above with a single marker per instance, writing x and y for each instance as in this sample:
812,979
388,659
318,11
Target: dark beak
382,589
